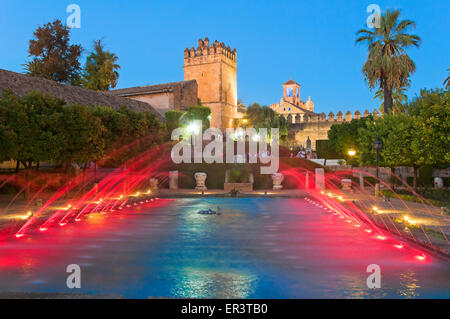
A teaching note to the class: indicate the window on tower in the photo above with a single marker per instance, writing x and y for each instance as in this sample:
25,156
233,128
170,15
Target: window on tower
289,92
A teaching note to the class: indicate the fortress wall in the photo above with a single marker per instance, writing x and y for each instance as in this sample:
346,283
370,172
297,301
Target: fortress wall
316,127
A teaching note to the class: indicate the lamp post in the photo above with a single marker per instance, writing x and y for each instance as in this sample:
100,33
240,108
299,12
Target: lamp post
351,153
377,145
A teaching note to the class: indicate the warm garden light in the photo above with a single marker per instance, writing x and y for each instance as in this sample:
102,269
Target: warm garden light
421,257
409,220
27,215
352,152
399,246
193,128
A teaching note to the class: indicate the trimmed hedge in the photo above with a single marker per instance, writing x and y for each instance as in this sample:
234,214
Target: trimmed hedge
216,173
324,150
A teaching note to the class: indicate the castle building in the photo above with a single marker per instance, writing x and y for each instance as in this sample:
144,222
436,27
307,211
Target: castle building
214,67
291,106
305,125
210,74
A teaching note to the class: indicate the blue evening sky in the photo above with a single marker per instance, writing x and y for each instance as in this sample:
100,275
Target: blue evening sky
312,41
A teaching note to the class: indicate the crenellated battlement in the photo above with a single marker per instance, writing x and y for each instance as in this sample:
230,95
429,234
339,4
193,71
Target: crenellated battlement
206,52
332,118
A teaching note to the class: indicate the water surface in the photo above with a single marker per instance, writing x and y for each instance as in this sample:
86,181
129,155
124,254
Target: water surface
256,248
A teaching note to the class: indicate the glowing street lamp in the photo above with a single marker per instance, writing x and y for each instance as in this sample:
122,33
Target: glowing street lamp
193,128
351,152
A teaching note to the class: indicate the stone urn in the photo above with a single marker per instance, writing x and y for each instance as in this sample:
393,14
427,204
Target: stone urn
173,180
346,184
200,179
154,185
277,179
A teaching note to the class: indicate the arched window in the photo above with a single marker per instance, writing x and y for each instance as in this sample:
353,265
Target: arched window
284,109
298,91
289,109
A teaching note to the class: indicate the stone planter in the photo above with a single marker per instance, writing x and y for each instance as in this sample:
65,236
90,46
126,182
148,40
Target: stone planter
241,187
277,179
200,179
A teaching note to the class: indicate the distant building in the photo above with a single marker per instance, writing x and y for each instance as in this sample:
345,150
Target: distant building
291,106
305,125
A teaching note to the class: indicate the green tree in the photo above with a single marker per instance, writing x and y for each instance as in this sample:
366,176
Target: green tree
54,57
116,127
31,122
81,136
388,66
447,81
101,70
399,99
432,112
172,120
264,117
344,137
9,146
44,114
420,137
196,112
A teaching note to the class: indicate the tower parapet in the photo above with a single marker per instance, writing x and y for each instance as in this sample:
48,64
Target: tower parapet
332,118
206,52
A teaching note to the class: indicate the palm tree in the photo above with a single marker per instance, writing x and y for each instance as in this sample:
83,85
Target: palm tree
388,66
399,98
447,81
100,72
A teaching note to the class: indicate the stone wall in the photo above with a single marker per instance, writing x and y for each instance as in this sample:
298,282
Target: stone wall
316,126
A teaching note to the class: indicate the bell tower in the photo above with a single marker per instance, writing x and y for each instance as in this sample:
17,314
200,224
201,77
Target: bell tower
291,92
214,68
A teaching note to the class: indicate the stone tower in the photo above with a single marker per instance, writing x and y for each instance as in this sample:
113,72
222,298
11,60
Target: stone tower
213,66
